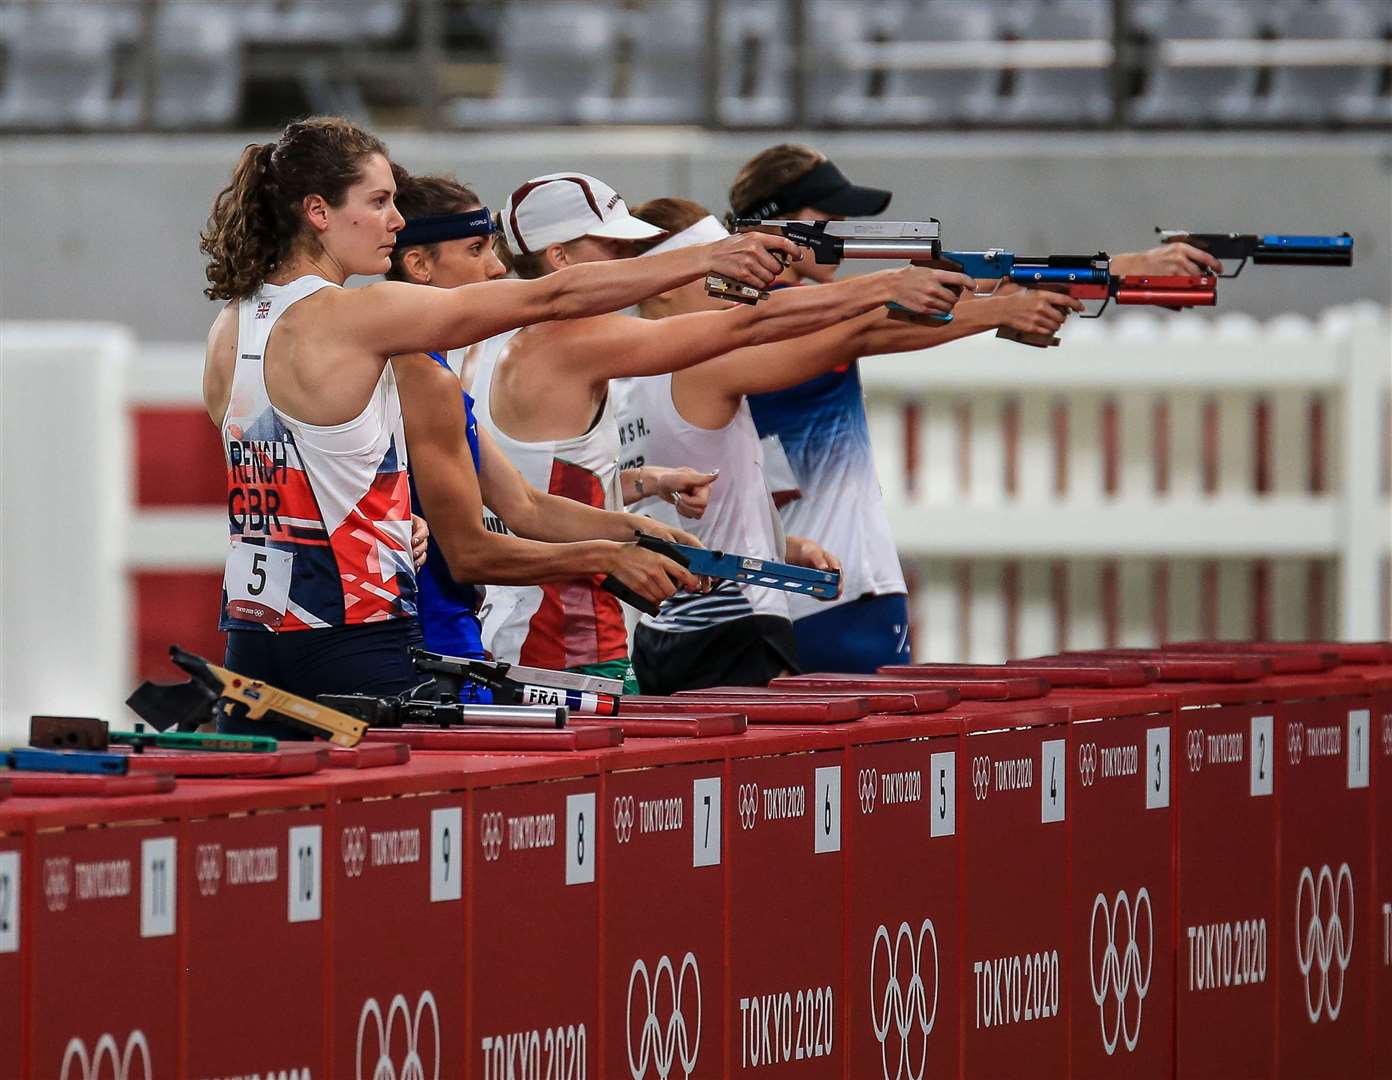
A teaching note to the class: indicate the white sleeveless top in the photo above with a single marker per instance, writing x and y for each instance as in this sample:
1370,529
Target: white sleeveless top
740,518
319,516
568,623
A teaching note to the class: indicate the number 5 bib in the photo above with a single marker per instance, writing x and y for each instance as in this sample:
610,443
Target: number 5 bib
257,582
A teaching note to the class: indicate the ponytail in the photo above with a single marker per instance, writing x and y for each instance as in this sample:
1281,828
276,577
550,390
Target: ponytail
257,218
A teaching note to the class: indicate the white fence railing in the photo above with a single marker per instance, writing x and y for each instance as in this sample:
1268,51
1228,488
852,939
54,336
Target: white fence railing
1153,478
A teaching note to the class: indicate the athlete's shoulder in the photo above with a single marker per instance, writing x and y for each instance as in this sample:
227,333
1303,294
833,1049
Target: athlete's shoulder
220,361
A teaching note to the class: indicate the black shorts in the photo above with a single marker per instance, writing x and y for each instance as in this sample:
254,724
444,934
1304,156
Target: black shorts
367,658
741,652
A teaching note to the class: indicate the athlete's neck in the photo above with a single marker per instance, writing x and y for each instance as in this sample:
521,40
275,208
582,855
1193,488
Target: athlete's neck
301,263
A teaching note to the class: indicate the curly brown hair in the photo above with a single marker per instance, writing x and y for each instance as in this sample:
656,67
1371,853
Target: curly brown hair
257,218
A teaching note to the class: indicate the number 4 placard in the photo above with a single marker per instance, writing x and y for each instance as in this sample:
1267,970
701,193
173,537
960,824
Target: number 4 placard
1052,774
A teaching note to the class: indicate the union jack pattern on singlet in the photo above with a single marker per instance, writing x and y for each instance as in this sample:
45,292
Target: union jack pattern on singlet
331,502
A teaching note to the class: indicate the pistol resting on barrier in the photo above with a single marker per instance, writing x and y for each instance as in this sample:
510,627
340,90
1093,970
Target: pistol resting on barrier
213,693
832,242
1267,249
409,711
87,733
515,685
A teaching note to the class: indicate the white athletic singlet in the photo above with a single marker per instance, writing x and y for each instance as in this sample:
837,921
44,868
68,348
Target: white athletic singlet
822,428
740,518
566,623
320,517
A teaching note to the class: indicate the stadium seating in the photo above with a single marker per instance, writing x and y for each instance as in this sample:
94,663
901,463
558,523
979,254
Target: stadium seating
1300,93
1063,95
945,96
1189,94
78,64
557,61
667,66
61,70
200,73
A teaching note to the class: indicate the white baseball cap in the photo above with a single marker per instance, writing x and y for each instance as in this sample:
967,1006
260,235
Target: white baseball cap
560,207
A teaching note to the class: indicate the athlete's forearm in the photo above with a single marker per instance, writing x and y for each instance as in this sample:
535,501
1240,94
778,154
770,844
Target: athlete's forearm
796,312
596,288
557,519
971,316
500,559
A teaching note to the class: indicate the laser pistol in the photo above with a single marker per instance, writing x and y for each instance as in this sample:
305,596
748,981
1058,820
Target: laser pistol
407,710
1084,277
535,686
832,242
213,693
1269,249
745,569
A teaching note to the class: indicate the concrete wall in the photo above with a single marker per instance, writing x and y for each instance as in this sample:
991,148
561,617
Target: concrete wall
107,228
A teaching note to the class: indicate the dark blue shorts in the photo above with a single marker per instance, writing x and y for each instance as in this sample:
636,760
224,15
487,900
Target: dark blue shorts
368,658
856,637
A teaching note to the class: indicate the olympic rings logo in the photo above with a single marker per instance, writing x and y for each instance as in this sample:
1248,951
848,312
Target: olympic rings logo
1320,942
869,781
623,818
57,883
1295,741
208,868
676,1042
1087,763
90,1068
748,805
899,1007
354,848
491,835
411,1066
1117,976
981,776
1194,744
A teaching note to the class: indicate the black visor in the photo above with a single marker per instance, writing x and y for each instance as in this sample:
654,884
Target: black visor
825,188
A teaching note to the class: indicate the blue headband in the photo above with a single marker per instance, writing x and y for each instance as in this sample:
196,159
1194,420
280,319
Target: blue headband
435,230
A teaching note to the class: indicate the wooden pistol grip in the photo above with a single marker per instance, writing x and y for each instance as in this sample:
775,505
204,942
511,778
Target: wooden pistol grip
1039,341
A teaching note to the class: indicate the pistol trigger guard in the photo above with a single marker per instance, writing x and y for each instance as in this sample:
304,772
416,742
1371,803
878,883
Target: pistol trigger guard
1234,274
1096,314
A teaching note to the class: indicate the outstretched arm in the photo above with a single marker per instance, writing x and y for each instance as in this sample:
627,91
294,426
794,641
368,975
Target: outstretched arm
615,348
433,412
766,368
537,515
393,317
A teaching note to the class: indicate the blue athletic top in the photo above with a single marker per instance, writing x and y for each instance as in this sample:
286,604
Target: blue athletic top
445,608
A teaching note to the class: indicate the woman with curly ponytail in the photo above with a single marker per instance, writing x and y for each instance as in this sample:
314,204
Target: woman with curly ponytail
315,420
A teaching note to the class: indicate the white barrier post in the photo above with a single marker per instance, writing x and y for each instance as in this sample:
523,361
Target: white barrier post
65,467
